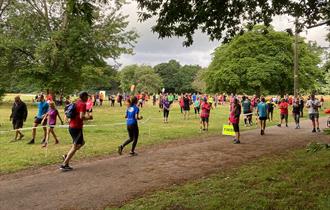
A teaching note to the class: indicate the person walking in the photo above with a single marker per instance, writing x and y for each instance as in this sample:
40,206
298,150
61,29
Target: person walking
234,117
247,111
132,117
42,110
301,106
205,114
18,116
197,106
166,109
270,111
283,106
76,129
296,112
186,107
313,106
262,113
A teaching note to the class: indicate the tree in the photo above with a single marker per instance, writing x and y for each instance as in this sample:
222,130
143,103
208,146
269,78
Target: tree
167,72
55,42
184,78
258,62
143,77
198,83
225,19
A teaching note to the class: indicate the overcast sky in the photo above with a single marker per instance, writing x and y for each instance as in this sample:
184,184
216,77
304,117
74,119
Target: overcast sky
151,51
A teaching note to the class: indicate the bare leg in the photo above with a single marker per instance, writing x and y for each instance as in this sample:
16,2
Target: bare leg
71,153
54,135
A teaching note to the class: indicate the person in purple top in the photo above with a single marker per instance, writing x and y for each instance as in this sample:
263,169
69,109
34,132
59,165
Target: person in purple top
166,109
51,115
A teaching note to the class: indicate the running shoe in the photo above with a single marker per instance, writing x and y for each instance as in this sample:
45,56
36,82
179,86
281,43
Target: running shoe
31,142
236,141
120,150
133,154
66,168
318,130
314,130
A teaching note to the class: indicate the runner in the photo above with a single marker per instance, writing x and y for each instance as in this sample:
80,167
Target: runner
18,116
313,106
283,112
197,106
166,109
89,106
234,119
51,115
170,98
76,130
132,116
262,113
181,103
186,107
296,112
301,106
247,111
42,110
270,111
321,102
205,114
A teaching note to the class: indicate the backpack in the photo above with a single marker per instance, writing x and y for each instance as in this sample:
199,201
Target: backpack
70,110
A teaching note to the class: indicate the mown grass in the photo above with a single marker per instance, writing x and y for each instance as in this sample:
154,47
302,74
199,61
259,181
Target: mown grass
104,138
298,180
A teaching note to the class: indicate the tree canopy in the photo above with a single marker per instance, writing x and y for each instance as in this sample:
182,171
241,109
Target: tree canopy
225,19
258,62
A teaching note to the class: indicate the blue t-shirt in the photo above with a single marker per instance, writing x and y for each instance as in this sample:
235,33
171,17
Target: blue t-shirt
194,97
262,109
130,113
42,108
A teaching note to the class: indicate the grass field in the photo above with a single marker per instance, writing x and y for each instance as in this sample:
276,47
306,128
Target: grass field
104,138
298,180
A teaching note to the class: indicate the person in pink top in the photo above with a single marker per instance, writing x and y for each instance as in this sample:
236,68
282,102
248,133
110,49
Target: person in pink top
89,106
284,112
51,115
234,116
205,114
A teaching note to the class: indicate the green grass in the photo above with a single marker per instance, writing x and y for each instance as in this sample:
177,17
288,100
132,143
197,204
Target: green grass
101,140
298,180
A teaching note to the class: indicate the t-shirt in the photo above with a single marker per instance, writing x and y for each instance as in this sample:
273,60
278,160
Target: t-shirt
131,112
313,106
89,104
166,104
262,109
52,114
76,122
246,106
235,114
170,98
42,108
197,104
205,110
194,97
284,108
270,106
295,108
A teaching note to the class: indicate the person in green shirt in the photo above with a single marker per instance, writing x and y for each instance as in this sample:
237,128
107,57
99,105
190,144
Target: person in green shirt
247,110
170,98
197,106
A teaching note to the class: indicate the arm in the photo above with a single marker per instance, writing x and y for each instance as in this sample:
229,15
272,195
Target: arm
44,118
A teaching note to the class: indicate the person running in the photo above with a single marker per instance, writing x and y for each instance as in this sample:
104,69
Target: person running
296,112
205,114
262,113
51,115
132,116
112,100
197,106
181,103
283,106
247,111
89,106
313,106
76,130
234,119
18,116
270,111
301,106
171,98
186,107
166,109
42,110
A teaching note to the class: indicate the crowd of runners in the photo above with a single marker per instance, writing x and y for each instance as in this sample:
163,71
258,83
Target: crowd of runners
254,110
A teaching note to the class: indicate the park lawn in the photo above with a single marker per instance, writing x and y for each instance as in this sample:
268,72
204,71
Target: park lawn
103,139
296,180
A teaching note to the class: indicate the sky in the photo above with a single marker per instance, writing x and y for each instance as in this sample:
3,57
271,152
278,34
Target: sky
150,50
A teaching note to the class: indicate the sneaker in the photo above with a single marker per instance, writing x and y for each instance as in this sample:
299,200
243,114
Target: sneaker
297,126
44,145
21,137
31,142
64,157
43,141
57,142
278,125
318,130
133,154
236,141
314,130
120,150
66,168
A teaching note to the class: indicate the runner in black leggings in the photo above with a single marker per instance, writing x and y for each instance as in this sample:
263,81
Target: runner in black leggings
132,116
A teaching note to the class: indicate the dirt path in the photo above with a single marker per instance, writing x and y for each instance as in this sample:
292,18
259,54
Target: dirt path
114,180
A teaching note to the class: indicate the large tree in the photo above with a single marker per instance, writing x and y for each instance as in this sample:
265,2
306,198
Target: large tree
261,61
225,18
53,43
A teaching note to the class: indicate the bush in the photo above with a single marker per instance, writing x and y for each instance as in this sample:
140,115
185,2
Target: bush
2,93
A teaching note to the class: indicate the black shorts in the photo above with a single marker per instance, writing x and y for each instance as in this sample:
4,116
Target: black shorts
77,136
262,118
205,119
39,120
17,124
236,127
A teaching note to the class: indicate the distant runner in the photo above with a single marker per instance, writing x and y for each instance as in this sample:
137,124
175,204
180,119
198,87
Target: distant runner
313,106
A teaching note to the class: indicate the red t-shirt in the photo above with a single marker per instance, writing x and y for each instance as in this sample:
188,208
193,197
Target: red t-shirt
76,122
284,108
205,110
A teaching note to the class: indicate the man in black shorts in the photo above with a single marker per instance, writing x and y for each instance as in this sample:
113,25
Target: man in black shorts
18,116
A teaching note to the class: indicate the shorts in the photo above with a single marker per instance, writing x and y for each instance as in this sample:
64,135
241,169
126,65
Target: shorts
39,120
236,127
205,119
17,124
77,136
262,118
247,114
314,116
284,116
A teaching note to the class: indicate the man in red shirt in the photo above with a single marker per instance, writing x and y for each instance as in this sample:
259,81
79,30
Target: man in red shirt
205,114
76,129
284,112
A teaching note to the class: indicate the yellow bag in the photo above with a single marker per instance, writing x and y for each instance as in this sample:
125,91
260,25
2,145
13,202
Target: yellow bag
228,130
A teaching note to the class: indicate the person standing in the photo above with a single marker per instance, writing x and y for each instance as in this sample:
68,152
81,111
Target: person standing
301,106
313,106
42,110
205,114
283,106
76,129
18,116
234,116
186,107
296,112
132,117
166,109
247,111
197,106
262,113
270,111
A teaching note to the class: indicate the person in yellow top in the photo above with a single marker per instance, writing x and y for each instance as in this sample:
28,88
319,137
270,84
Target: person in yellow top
271,105
210,100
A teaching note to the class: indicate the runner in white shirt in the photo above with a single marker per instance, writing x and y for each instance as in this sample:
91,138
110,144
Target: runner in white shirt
313,106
